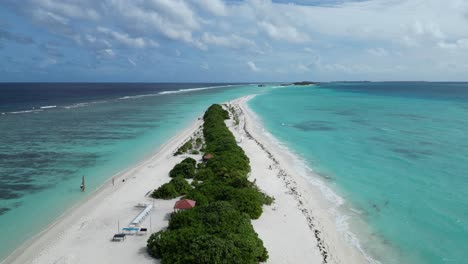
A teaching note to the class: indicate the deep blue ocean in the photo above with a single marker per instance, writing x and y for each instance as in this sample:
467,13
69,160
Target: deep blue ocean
397,153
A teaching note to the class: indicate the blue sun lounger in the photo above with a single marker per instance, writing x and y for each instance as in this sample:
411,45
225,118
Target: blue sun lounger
130,229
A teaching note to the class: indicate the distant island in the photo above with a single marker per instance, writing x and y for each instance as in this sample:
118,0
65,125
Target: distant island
304,83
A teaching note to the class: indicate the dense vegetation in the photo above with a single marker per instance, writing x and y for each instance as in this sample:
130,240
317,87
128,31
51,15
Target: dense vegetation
178,186
229,159
215,233
218,229
185,169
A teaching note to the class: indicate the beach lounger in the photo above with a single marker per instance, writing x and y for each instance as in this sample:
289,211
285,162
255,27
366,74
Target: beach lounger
119,237
130,229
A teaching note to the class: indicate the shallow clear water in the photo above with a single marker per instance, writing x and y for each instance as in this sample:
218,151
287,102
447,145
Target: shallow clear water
96,133
397,152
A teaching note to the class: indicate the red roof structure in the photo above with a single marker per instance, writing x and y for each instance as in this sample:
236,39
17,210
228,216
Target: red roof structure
207,156
184,204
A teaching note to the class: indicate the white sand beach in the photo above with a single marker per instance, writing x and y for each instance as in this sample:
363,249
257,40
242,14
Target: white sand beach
296,228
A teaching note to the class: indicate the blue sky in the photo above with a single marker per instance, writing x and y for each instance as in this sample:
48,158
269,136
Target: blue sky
233,41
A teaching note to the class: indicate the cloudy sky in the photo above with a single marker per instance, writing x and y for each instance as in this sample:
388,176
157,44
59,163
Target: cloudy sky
233,40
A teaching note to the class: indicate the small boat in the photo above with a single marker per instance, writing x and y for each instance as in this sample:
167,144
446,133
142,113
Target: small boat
82,186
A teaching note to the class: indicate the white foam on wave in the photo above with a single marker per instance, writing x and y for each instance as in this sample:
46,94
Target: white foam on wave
76,105
335,200
177,91
278,86
48,106
25,111
137,96
195,89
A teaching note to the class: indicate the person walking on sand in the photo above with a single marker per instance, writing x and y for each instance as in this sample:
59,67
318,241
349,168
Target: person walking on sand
82,186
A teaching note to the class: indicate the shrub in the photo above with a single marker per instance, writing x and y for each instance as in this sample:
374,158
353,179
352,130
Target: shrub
246,200
189,161
181,185
175,188
198,142
166,191
185,169
268,200
204,174
198,196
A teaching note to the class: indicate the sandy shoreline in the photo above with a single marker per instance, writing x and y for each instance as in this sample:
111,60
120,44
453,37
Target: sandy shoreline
296,228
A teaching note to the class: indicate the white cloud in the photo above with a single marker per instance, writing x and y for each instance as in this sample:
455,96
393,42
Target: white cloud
45,15
379,52
430,29
408,41
173,19
459,44
126,39
68,9
205,66
215,7
351,36
339,67
174,11
231,41
283,32
109,53
252,66
302,68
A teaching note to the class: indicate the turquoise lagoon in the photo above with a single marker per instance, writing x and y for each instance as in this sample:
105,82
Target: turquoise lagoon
396,152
